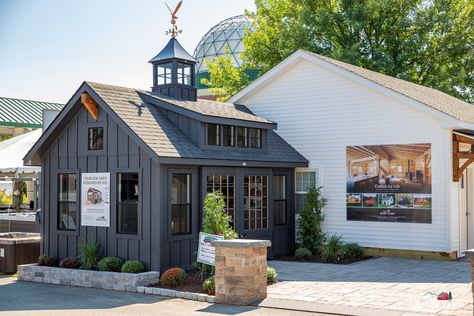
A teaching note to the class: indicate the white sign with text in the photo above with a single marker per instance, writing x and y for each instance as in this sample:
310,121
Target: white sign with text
95,199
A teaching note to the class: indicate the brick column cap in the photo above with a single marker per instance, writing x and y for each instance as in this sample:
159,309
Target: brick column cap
241,243
469,253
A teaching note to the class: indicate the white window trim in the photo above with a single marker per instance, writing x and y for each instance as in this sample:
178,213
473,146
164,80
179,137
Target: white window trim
317,172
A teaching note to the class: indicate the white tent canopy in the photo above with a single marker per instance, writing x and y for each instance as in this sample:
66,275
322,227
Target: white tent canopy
14,149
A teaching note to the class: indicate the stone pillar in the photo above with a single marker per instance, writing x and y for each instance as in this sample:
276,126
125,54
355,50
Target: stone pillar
470,254
241,271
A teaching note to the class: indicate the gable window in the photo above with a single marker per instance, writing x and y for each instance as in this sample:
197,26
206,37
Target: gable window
128,193
304,179
255,138
180,204
67,201
279,195
184,74
213,134
163,73
228,135
242,136
95,138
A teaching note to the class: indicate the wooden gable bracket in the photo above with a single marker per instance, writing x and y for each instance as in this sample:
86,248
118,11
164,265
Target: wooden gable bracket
458,155
89,103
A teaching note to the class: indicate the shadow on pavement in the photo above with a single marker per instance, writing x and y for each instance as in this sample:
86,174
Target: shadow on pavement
227,309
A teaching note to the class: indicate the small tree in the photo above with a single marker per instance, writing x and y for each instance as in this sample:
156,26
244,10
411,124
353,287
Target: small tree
216,221
310,232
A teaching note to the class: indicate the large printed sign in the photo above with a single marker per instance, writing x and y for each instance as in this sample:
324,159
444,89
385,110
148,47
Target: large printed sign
207,252
389,183
95,199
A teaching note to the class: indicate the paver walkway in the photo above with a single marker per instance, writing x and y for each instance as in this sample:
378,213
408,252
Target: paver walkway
384,283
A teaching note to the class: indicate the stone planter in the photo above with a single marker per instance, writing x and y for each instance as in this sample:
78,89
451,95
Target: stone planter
87,278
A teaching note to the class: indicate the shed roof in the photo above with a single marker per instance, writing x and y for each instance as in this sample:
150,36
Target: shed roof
152,126
24,113
173,50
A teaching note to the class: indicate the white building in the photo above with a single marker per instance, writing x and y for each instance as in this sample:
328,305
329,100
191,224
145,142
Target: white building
370,137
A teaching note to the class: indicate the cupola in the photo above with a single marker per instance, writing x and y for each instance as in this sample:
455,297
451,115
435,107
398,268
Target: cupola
173,68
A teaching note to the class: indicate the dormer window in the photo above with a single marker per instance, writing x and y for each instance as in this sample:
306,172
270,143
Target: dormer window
184,73
164,73
234,136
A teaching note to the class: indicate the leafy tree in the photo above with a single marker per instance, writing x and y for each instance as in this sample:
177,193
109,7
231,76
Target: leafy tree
430,42
310,232
224,79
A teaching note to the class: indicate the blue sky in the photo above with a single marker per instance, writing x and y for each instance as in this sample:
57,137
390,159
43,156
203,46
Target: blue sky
49,47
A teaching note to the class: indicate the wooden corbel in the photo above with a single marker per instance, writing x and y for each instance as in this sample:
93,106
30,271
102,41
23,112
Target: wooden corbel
89,103
458,155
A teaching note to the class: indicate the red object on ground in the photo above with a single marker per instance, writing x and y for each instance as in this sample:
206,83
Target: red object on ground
443,296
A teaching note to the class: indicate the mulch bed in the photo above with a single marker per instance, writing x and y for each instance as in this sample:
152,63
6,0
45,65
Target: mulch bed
317,259
193,284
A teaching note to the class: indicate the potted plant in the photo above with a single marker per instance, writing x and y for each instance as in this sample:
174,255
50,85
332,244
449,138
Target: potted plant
209,286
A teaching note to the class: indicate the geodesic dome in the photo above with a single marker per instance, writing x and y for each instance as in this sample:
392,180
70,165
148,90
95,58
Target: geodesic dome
227,32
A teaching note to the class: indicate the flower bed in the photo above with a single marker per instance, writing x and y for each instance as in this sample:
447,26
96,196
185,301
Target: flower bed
117,281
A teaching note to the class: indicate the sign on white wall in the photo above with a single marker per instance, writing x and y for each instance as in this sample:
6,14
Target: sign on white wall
95,199
206,251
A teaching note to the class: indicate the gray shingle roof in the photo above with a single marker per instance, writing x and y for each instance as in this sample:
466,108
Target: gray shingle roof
167,140
211,108
431,97
24,113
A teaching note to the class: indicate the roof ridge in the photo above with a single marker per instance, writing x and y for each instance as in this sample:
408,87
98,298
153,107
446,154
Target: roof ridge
113,86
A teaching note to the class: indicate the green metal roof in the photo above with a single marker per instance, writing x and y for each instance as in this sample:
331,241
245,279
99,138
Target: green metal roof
24,113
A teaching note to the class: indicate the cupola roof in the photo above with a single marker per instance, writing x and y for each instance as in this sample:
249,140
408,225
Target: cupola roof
173,50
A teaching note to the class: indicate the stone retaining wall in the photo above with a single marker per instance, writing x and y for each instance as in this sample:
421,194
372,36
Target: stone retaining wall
87,278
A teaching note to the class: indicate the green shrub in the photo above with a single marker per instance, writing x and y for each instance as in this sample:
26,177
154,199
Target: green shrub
216,220
133,266
113,264
353,250
303,254
209,285
90,254
70,263
173,277
310,232
271,275
47,261
333,249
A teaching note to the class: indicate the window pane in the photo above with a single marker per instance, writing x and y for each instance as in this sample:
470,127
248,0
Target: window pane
67,215
304,180
224,184
279,193
164,73
255,138
300,199
255,202
180,219
184,73
213,134
180,189
67,187
229,135
96,138
127,218
128,193
242,136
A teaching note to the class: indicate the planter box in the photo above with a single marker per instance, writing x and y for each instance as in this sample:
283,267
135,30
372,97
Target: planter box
87,278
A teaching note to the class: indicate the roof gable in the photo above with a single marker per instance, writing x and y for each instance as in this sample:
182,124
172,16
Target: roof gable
24,113
410,92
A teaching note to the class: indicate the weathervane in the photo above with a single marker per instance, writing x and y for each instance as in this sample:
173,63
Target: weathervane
174,28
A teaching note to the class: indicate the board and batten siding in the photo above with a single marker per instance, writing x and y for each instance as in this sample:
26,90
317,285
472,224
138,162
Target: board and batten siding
320,112
69,152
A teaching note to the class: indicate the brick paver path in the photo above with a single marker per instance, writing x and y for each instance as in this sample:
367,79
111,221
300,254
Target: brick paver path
382,283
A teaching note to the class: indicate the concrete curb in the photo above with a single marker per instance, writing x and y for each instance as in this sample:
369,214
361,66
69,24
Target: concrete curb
200,297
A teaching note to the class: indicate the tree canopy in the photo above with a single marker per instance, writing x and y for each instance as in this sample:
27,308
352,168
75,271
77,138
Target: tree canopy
429,42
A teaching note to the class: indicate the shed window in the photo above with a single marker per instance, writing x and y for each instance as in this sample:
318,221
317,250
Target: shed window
279,195
255,202
213,134
184,74
67,201
224,184
128,193
228,135
181,204
242,136
95,138
304,179
255,138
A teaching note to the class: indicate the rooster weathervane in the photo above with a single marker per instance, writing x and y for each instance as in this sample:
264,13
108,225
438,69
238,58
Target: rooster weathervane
174,28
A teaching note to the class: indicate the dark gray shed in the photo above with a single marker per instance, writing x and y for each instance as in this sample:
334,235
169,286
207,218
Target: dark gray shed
164,151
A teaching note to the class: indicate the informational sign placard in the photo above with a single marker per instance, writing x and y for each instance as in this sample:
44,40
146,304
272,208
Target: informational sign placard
6,189
207,252
389,183
95,199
